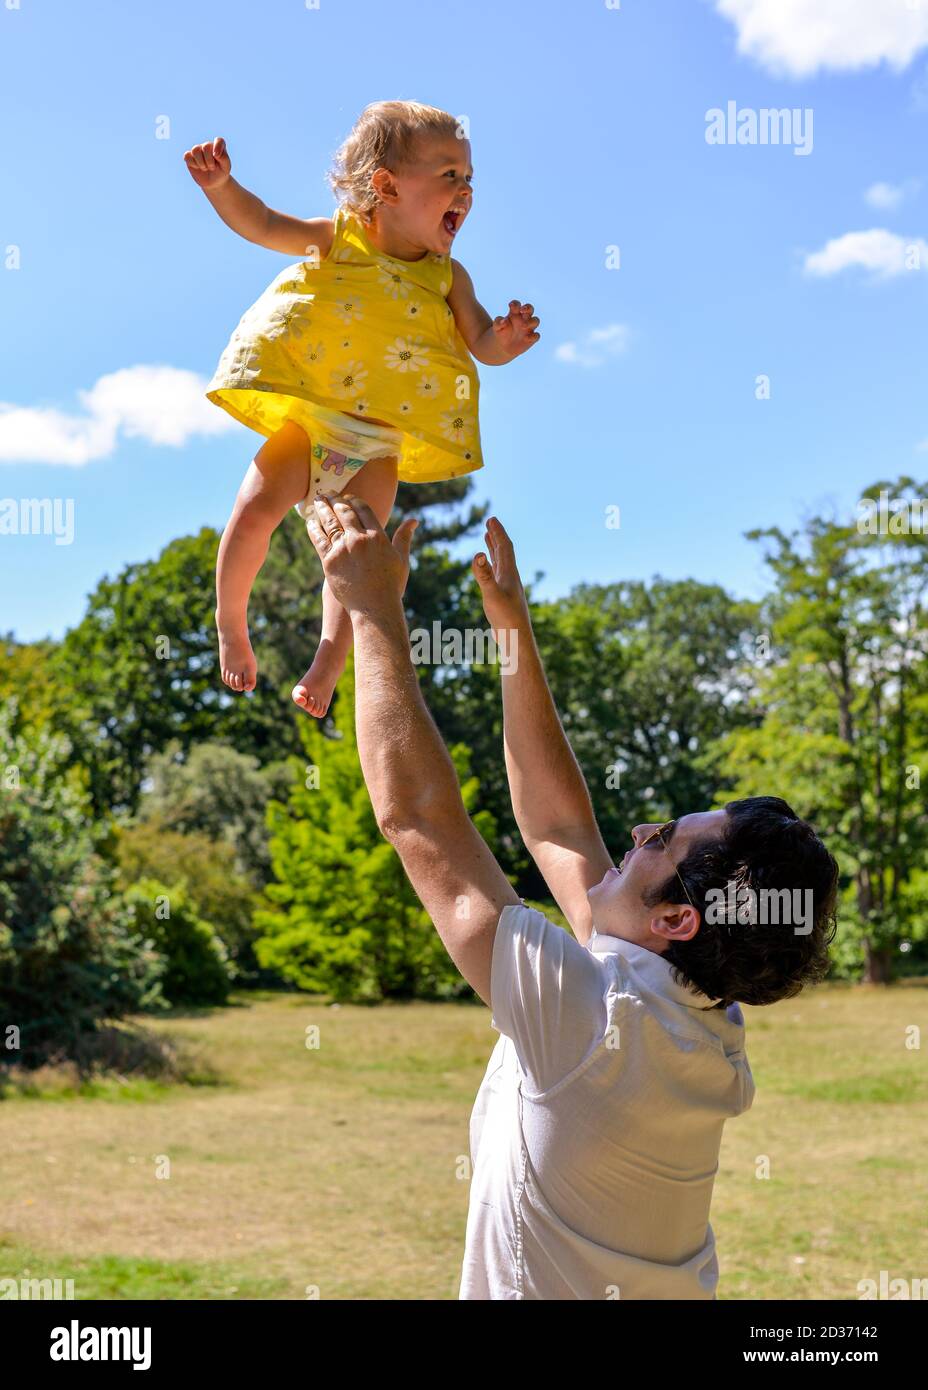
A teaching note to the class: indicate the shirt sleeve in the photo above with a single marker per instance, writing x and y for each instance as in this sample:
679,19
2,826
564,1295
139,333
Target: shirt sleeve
547,994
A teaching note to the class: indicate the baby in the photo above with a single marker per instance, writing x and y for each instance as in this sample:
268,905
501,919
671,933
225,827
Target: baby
357,362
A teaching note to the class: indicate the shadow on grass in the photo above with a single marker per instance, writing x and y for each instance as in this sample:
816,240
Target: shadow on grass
116,1062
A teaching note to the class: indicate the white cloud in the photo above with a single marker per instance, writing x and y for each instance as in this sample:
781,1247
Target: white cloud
163,405
596,347
798,37
881,252
889,195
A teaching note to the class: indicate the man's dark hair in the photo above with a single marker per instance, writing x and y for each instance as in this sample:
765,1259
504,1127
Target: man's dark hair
764,846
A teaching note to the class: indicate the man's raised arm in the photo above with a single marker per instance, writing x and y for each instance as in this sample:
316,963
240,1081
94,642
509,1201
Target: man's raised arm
550,798
410,777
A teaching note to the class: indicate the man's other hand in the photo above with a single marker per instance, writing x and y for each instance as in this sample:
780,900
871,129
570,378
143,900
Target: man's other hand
365,571
504,600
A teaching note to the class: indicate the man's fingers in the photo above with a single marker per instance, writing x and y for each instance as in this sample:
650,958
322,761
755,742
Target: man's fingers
498,531
318,537
492,541
504,555
402,536
357,513
328,520
483,570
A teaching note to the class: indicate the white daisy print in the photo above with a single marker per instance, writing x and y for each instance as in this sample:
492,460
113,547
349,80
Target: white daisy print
348,380
456,426
428,386
407,355
249,363
349,310
405,407
392,282
289,321
316,353
414,309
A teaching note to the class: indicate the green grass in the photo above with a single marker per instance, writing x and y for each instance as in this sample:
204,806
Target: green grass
277,1170
114,1277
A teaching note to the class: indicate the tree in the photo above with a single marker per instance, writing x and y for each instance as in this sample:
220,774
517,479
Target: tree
142,667
844,697
219,793
26,675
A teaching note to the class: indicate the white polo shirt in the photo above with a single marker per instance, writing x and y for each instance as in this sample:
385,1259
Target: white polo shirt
596,1130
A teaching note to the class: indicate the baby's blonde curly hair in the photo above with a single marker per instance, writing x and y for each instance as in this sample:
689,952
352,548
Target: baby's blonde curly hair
384,135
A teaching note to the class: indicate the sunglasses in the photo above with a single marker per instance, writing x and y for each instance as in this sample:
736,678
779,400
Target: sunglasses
658,834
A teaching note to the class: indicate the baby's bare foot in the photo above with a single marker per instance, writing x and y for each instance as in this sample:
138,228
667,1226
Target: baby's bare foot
314,692
236,659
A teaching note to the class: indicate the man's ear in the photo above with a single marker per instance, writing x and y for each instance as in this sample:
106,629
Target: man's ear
384,185
676,922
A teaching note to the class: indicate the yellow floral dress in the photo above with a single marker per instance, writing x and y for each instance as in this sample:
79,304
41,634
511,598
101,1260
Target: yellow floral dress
363,334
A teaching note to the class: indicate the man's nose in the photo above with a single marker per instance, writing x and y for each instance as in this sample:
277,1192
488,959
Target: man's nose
640,832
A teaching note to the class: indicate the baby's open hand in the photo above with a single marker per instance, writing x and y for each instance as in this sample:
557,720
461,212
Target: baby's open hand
516,330
209,164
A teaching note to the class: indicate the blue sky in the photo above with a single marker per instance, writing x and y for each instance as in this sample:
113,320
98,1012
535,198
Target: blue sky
588,129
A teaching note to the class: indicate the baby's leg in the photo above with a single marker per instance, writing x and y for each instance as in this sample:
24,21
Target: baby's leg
276,480
376,483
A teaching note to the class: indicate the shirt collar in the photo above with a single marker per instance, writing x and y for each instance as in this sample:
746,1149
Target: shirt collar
650,967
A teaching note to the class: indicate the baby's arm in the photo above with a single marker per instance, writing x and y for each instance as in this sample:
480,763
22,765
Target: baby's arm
210,167
491,341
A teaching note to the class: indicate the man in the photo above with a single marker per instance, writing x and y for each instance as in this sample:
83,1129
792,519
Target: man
595,1135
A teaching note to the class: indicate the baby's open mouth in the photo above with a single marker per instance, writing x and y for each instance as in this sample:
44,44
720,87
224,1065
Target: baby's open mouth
451,220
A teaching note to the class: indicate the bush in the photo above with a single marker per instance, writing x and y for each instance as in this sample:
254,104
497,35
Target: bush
196,963
205,871
68,957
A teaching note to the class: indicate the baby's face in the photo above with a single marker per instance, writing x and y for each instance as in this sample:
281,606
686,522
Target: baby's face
435,193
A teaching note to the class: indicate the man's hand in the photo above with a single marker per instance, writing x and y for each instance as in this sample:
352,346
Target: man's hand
365,570
504,600
515,331
210,166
